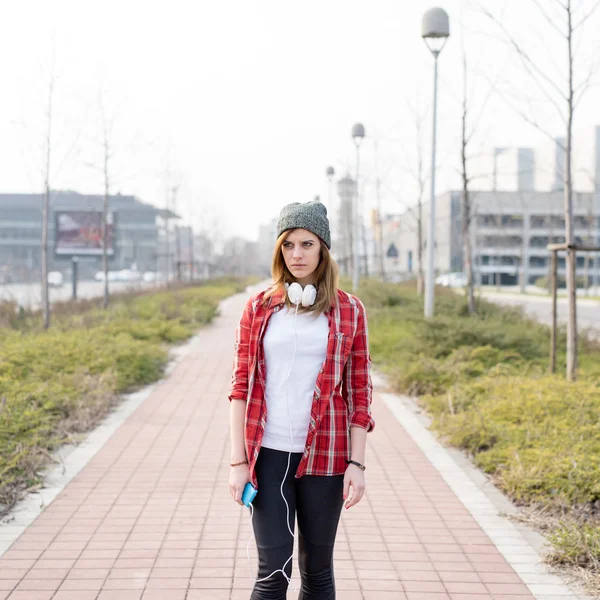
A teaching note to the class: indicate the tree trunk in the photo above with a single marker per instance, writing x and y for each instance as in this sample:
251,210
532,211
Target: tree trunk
46,215
366,250
44,276
468,254
178,252
421,276
523,266
466,202
380,232
105,239
191,254
571,255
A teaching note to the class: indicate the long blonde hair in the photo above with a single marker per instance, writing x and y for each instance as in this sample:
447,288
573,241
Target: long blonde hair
326,277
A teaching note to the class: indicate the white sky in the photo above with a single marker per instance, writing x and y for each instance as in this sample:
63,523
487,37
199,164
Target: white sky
244,103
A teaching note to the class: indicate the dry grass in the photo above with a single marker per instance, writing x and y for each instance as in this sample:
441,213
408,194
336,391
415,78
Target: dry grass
576,561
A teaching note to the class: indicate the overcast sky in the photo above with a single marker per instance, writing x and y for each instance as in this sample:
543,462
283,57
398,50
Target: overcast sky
244,103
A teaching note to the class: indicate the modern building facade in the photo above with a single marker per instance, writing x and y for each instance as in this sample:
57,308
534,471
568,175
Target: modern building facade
509,232
517,210
137,227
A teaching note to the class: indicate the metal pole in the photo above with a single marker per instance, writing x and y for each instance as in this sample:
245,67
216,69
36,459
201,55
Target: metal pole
355,250
429,279
191,241
74,264
554,285
178,252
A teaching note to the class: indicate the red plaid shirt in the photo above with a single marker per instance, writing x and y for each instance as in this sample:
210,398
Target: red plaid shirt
343,390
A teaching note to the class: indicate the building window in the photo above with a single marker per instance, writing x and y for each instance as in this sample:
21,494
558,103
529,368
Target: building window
537,262
500,241
512,221
546,222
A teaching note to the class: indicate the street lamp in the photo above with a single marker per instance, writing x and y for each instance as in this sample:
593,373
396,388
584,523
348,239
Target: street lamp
330,172
358,133
435,32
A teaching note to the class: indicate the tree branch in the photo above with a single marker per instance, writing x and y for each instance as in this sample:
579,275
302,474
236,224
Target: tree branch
528,64
581,89
548,19
587,15
528,119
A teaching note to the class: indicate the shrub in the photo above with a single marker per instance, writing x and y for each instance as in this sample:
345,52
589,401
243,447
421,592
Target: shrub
561,282
484,381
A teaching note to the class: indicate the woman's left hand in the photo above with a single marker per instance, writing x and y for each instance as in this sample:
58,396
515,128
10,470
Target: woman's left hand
354,478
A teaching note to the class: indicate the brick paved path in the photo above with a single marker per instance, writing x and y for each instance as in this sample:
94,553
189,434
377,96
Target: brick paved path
150,517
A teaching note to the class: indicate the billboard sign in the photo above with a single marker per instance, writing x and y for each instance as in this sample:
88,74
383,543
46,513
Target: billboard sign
79,232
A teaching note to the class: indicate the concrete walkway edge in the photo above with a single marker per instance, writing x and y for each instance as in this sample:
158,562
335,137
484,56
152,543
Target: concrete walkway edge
518,551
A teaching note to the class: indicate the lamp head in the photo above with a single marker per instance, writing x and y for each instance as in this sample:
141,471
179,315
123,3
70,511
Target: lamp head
358,133
435,29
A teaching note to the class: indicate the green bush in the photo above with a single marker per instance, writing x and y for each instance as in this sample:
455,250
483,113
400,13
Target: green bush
561,282
484,381
538,436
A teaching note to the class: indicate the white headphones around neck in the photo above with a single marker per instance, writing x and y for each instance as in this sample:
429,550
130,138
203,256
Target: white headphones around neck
297,295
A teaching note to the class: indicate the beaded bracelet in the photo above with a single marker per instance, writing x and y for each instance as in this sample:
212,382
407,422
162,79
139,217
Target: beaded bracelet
244,462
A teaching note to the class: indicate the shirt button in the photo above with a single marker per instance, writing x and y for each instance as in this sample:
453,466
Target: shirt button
321,370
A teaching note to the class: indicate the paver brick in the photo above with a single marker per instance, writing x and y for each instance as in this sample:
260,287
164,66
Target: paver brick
150,517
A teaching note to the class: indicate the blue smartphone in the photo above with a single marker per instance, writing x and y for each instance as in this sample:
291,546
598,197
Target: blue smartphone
249,494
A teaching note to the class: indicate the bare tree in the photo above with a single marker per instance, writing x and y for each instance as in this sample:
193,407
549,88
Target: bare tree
379,223
420,178
104,141
564,19
466,211
46,209
105,206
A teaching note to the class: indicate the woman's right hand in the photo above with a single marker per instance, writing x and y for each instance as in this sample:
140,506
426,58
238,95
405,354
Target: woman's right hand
238,478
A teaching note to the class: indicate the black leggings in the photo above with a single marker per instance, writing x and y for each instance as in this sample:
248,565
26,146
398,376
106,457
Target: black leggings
317,501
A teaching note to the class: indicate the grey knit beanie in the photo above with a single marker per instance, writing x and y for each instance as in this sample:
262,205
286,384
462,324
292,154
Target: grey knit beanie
311,216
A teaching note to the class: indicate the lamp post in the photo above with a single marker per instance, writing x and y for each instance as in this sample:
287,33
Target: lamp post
435,32
358,134
330,172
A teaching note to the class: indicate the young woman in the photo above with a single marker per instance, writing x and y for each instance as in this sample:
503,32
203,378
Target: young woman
300,407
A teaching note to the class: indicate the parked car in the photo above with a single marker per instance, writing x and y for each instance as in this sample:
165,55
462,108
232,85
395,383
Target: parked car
150,276
55,279
128,275
112,276
453,280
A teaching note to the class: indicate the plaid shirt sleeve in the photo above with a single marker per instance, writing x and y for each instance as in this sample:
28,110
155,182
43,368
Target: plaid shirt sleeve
239,378
357,388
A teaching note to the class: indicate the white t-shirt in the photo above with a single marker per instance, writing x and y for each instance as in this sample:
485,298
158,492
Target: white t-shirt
311,334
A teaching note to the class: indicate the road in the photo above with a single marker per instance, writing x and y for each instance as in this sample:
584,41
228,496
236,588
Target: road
28,295
540,308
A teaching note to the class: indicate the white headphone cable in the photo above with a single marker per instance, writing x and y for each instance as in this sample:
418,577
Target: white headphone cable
287,506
